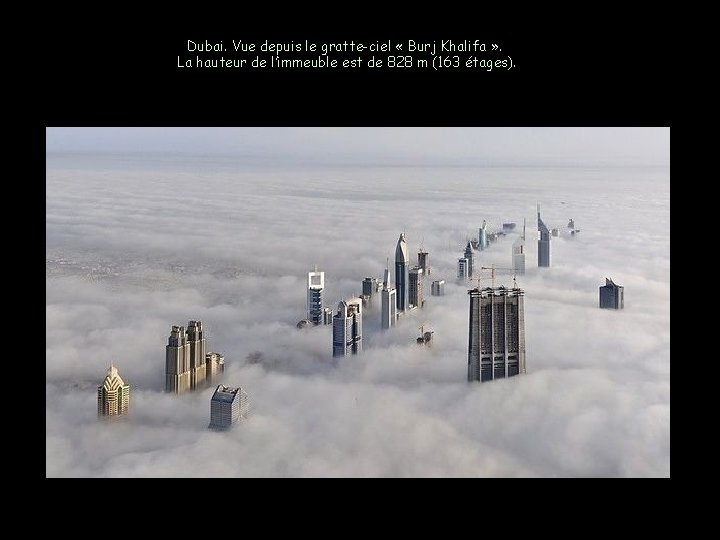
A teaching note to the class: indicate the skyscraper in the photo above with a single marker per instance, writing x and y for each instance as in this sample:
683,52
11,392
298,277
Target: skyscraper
496,347
438,287
177,362
462,273
214,366
327,315
543,242
113,395
370,286
227,406
197,346
415,288
347,328
402,278
612,296
388,310
315,285
482,238
469,256
423,262
518,253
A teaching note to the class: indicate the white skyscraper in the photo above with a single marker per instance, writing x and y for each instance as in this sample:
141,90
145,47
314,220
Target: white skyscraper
315,286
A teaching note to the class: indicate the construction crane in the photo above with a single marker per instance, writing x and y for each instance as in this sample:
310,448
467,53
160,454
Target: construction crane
492,274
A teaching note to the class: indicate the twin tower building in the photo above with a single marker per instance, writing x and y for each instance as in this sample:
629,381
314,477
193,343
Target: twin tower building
188,365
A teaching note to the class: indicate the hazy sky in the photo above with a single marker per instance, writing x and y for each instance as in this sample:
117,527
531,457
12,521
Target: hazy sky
137,245
444,145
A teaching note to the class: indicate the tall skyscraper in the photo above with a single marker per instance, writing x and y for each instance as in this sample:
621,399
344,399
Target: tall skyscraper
469,256
543,242
186,359
518,253
315,285
482,238
438,287
227,406
177,362
214,366
327,315
496,347
347,328
198,349
612,296
415,288
113,395
388,310
423,262
462,273
402,279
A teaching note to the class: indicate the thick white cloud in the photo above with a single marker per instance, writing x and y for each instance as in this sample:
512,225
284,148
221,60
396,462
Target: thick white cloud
135,246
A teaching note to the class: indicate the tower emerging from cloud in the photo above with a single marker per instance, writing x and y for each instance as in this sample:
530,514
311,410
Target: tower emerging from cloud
402,278
423,261
469,256
415,290
113,395
315,286
612,296
177,362
388,309
543,242
496,347
227,406
482,236
197,345
347,328
518,253
188,365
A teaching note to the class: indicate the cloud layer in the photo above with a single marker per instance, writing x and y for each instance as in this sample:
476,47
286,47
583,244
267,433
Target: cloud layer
136,246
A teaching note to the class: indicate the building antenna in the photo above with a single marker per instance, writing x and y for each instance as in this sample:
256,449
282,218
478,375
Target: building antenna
524,229
316,267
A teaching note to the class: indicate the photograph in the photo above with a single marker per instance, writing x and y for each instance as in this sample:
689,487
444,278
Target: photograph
357,302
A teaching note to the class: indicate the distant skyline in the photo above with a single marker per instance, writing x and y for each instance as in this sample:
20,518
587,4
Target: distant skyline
381,145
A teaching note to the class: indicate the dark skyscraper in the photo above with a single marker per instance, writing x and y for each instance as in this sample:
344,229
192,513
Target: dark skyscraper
469,257
417,298
543,242
423,262
612,296
402,278
496,347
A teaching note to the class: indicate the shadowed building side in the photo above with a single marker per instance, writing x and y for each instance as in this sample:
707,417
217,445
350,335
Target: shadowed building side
402,278
543,242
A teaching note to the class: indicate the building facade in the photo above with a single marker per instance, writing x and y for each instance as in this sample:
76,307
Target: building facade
543,242
370,286
462,269
186,359
315,286
227,406
423,262
438,287
518,253
177,362
113,395
402,278
612,296
482,237
469,256
197,346
496,344
388,309
415,288
347,328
